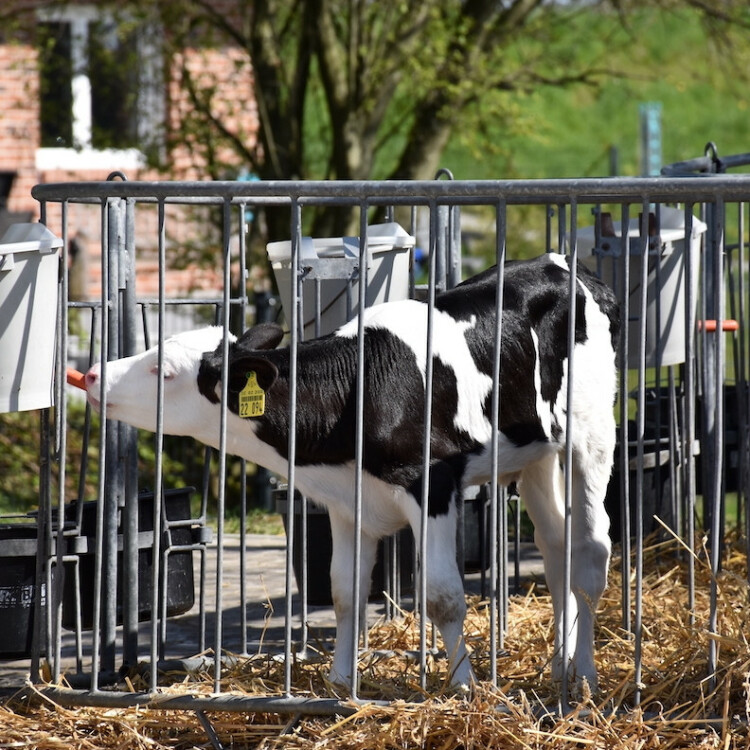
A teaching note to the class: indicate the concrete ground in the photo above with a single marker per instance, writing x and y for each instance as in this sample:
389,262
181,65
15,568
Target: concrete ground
265,580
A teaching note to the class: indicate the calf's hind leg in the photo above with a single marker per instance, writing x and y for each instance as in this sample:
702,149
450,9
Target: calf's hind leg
542,491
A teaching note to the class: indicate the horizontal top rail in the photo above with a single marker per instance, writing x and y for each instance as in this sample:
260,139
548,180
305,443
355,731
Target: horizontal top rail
701,188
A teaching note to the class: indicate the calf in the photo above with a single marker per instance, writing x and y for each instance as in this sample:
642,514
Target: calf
533,421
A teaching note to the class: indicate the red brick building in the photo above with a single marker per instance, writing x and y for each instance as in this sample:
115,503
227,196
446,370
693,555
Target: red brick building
84,93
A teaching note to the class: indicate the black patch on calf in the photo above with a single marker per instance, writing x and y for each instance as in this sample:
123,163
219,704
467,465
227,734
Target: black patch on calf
535,297
444,486
261,336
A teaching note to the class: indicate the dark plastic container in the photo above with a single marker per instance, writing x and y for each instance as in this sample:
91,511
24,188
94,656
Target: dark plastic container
656,495
17,589
319,551
180,588
476,533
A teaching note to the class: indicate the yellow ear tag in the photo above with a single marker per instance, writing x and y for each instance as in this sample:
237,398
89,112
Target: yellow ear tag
252,398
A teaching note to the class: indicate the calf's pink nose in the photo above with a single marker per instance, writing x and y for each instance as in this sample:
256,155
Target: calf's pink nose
92,376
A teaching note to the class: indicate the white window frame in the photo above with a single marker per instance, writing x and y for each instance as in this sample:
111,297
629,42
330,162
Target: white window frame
151,111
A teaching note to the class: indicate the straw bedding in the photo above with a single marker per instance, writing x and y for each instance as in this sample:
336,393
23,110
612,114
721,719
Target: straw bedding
679,707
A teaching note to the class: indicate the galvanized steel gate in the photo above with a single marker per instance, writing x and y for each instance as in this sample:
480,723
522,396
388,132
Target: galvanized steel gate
657,426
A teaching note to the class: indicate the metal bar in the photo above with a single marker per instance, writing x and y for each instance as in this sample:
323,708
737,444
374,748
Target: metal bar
96,640
54,586
640,435
113,475
294,324
208,728
569,427
242,233
158,451
495,510
718,440
129,446
625,416
543,191
690,393
221,499
742,385
426,449
359,448
197,702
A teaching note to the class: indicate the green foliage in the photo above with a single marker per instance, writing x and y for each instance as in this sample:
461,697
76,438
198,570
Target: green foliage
19,461
183,462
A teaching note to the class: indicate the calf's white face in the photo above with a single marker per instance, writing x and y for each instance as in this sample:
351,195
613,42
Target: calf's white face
132,384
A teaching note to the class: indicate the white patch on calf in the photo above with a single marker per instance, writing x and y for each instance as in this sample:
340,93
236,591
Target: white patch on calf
407,320
542,406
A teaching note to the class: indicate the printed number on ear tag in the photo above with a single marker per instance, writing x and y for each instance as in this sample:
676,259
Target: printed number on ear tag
252,398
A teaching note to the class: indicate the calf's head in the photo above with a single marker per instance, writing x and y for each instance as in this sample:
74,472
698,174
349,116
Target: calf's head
131,384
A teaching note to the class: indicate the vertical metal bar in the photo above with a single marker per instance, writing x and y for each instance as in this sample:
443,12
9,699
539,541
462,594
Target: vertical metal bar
567,574
640,436
359,445
711,388
561,229
495,510
304,582
128,447
454,247
114,478
158,448
742,385
517,546
502,567
294,325
690,396
426,448
101,489
42,575
718,446
624,415
221,499
242,303
54,586
412,271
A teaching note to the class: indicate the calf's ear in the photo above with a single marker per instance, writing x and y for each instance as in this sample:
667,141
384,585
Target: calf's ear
265,371
262,336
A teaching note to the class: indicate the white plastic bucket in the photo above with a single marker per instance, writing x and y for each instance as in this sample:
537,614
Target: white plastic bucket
388,247
29,272
665,290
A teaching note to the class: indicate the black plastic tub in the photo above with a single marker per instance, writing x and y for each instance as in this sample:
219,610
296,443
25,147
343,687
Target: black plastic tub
656,495
18,542
180,586
319,551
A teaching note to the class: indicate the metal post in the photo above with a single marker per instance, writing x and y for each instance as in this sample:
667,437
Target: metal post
495,494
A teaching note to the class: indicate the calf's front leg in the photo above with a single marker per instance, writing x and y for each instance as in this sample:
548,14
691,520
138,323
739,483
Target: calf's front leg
446,602
342,589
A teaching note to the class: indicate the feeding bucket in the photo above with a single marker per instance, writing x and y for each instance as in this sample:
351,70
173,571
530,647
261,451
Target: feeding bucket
29,270
330,285
666,280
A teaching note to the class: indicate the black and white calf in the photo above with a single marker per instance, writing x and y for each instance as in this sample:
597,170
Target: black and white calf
533,420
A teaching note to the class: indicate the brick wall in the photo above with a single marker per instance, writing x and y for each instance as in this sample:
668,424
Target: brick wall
223,69
19,123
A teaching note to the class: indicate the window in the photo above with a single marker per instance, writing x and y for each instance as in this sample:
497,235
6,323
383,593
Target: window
101,85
